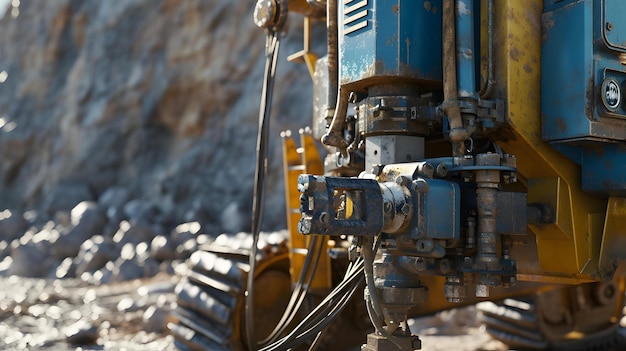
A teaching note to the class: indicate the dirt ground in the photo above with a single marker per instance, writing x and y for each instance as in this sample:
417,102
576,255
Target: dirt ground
46,315
40,314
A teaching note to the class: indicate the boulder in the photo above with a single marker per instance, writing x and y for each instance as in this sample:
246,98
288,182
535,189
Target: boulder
31,259
134,233
82,333
89,217
94,254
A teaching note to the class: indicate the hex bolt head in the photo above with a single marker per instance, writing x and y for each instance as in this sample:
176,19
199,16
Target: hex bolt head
325,217
377,169
420,185
406,209
444,266
442,170
420,264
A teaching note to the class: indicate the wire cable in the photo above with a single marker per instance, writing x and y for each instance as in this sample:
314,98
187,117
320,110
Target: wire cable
271,54
324,312
374,306
300,290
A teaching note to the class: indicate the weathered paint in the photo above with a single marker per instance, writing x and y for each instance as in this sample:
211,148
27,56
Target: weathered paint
570,247
577,56
399,39
297,161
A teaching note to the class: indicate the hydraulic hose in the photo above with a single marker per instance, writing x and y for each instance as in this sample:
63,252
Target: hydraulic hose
451,107
337,97
271,54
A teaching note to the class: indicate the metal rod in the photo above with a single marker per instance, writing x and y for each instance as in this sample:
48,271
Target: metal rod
451,106
466,58
487,90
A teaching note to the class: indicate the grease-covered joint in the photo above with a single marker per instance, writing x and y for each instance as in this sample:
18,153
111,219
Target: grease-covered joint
334,136
397,205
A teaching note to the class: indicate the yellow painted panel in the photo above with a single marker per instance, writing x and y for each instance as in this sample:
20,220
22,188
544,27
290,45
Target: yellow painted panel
518,75
297,161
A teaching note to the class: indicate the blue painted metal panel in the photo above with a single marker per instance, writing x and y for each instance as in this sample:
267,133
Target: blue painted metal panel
575,63
567,69
582,113
390,38
604,170
614,15
443,209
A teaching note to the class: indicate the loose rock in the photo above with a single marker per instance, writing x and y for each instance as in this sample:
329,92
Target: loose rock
88,217
162,249
94,254
82,333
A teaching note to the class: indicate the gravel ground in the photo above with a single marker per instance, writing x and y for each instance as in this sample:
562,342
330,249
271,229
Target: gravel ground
69,314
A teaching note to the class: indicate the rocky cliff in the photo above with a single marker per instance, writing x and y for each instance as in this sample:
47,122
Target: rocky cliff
147,107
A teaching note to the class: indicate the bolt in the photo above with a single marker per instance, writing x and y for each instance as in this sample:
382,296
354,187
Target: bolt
444,266
403,181
609,26
442,170
482,290
405,209
377,169
427,170
420,264
325,218
420,185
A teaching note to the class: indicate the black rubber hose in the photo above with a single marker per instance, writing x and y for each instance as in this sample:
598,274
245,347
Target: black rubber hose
272,45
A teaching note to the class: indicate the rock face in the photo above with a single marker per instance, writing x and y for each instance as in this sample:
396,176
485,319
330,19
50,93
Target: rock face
153,104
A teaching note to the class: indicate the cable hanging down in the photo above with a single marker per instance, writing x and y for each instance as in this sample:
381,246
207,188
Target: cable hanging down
271,53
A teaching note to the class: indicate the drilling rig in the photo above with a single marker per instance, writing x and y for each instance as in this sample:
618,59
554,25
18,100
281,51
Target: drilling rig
476,151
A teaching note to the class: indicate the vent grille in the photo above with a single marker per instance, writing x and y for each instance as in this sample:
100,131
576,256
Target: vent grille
354,15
